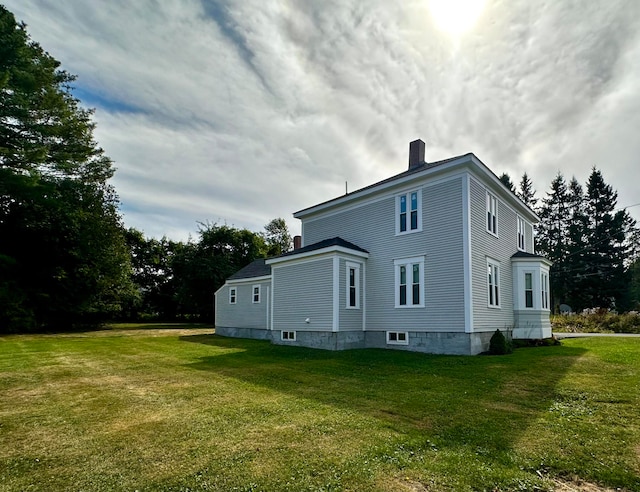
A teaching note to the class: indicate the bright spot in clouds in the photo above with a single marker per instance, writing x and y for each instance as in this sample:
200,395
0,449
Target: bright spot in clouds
456,17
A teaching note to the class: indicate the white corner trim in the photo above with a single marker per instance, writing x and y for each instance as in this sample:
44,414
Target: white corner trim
336,293
466,252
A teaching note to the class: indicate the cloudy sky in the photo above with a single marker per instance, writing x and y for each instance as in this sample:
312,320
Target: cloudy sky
238,112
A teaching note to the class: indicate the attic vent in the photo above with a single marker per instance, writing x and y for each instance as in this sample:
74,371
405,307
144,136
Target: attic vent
416,153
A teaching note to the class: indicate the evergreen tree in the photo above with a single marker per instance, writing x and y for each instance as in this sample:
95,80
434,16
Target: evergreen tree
604,278
526,193
553,234
506,180
576,246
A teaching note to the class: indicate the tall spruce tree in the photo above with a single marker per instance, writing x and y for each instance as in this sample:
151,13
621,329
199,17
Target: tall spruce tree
576,246
63,258
526,193
604,275
552,236
506,180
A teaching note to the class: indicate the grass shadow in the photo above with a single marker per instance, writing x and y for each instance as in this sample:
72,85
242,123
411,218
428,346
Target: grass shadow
482,402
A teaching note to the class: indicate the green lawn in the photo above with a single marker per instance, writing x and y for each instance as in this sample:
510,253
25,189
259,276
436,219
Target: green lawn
182,409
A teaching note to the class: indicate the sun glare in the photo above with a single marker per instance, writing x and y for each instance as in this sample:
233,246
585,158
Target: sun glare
455,17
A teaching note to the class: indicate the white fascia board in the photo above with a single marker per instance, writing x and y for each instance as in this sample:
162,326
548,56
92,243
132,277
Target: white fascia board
377,189
318,252
249,280
535,259
226,284
467,161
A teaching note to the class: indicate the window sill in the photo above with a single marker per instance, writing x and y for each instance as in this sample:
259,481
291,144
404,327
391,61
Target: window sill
494,307
398,233
494,234
412,306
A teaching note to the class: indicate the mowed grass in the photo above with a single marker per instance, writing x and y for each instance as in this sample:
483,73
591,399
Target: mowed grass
184,409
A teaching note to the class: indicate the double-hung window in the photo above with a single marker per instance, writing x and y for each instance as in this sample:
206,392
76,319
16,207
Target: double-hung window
521,236
492,214
256,294
233,295
544,288
528,290
408,212
353,285
409,282
493,283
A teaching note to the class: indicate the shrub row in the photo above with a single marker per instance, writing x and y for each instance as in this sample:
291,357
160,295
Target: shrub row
599,322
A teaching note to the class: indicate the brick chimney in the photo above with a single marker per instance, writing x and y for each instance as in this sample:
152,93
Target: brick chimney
297,242
416,154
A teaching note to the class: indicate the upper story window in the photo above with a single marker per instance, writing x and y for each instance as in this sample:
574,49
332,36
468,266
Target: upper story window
492,214
256,294
528,290
521,236
233,295
353,285
409,212
493,283
409,286
544,287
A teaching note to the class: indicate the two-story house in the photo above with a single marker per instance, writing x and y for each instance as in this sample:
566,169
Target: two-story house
434,259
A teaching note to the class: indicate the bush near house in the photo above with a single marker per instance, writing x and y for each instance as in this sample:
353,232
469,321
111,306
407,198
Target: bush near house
598,322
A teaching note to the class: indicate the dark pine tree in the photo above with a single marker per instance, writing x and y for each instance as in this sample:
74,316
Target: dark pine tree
526,193
552,236
604,275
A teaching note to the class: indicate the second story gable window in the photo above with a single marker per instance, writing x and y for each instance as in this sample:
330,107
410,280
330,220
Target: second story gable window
521,236
492,214
409,212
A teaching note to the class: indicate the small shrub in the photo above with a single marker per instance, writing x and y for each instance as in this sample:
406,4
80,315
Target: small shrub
499,345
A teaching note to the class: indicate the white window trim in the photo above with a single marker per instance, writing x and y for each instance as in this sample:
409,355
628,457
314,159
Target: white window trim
404,262
356,266
407,195
233,295
491,199
544,291
253,294
521,233
495,265
533,289
398,335
291,336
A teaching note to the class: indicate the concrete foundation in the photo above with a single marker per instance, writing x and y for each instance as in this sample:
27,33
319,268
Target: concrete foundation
431,343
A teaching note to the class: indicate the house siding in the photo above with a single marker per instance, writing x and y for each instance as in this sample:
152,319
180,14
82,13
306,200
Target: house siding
350,319
371,225
303,290
244,313
500,249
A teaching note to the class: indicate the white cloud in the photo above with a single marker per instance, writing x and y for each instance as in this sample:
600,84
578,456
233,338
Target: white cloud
245,111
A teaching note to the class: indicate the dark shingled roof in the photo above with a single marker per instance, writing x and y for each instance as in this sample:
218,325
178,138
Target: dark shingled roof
334,241
256,268
522,254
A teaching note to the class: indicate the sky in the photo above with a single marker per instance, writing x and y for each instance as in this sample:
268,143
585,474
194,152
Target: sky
238,112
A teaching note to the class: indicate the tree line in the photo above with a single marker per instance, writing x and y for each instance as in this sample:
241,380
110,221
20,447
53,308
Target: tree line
67,260
594,245
65,257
